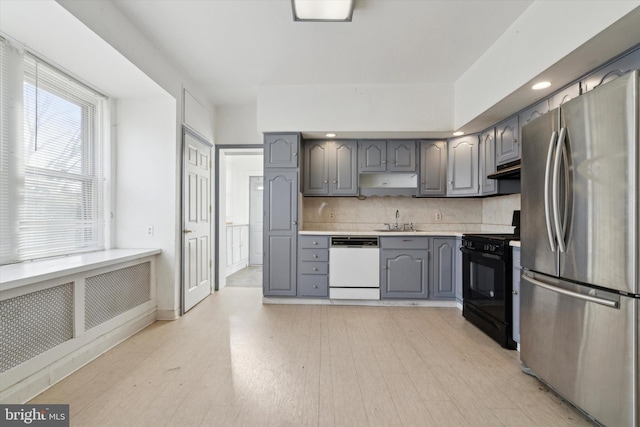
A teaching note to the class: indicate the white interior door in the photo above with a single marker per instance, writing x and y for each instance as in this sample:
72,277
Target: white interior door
196,211
255,220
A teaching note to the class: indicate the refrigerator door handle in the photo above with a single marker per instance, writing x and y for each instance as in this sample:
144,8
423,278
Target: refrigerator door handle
547,182
589,298
556,190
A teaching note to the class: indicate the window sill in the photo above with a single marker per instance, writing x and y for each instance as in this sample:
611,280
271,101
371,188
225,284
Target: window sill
29,272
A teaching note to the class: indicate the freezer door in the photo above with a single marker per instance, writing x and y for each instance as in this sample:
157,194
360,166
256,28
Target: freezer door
539,248
582,343
601,142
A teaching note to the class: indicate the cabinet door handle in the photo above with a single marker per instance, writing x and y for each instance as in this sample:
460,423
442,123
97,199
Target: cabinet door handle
315,256
335,181
326,181
514,292
316,269
295,154
384,161
315,286
294,222
315,243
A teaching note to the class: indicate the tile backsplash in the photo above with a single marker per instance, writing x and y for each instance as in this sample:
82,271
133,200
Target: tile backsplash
492,214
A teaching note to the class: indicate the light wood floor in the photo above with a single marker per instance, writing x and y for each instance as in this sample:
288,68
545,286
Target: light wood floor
232,361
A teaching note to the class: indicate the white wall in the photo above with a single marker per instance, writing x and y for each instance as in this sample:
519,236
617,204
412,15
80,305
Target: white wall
241,168
237,124
359,108
545,33
105,19
145,190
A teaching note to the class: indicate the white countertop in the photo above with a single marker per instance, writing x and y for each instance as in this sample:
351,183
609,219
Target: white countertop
515,243
383,233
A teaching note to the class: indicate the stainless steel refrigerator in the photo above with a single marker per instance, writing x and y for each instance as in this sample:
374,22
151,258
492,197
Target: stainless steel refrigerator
579,291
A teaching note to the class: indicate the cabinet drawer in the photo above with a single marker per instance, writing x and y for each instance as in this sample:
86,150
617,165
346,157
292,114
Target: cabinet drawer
314,268
312,242
310,285
321,255
407,242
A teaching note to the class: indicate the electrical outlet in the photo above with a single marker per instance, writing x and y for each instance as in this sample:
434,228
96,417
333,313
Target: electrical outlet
332,215
438,216
150,231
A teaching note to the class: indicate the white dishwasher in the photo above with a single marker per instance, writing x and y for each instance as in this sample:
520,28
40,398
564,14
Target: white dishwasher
354,268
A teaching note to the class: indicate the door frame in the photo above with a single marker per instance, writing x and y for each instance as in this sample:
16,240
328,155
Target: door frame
216,251
188,131
250,206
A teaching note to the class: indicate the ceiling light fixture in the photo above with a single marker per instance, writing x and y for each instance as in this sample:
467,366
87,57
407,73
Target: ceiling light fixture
458,133
331,135
541,85
322,10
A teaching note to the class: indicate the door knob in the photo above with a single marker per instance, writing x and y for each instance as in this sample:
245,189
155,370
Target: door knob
188,231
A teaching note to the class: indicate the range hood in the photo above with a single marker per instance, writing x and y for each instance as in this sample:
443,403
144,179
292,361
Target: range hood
509,170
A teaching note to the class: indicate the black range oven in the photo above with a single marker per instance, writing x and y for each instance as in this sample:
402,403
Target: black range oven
487,284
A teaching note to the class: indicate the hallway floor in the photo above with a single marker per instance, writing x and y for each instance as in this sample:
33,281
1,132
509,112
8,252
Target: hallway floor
249,277
232,361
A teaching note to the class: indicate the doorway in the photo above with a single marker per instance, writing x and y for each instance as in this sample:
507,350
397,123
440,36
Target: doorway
239,211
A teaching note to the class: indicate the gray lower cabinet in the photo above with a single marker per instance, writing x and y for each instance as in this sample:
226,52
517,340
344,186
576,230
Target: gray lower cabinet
462,167
330,168
443,283
404,265
313,266
280,232
507,141
516,295
458,268
433,168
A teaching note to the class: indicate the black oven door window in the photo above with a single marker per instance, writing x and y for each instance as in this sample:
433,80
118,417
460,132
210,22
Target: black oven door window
484,283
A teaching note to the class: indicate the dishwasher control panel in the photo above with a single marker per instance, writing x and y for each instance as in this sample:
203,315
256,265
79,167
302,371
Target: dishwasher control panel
354,241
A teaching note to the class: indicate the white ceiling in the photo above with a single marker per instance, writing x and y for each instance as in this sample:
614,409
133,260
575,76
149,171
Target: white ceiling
231,47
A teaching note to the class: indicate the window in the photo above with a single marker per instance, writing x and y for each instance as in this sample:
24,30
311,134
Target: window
53,185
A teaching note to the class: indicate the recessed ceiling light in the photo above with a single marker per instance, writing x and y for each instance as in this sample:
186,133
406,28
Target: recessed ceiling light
322,10
541,85
331,135
458,133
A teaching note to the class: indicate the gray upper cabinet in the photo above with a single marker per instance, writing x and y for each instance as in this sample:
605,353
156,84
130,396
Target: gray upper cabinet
372,156
401,156
443,284
281,150
404,265
330,168
533,112
316,168
488,162
433,168
611,71
566,94
343,168
379,156
462,166
507,141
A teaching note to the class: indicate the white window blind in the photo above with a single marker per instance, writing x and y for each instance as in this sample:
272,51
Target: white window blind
56,185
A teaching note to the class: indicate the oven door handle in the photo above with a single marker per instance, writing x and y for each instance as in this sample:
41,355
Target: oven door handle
482,254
